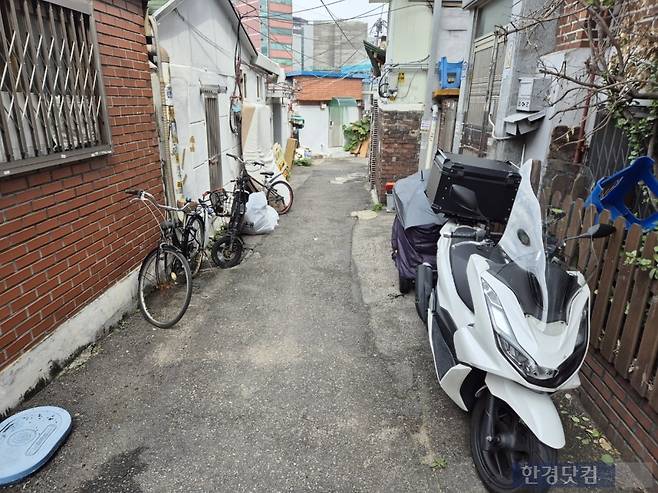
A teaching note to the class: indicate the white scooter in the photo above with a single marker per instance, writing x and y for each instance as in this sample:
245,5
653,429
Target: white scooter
508,325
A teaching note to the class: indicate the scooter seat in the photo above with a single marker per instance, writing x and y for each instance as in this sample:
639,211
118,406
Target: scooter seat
461,250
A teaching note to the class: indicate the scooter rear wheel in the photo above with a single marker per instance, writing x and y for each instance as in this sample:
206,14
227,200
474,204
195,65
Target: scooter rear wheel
496,466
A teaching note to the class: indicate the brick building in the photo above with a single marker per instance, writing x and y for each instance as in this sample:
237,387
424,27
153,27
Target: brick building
627,417
70,241
326,101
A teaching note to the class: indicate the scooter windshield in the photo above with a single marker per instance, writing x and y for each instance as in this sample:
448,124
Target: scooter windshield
524,268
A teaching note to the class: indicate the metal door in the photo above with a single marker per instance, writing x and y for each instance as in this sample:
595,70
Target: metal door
336,138
484,92
213,140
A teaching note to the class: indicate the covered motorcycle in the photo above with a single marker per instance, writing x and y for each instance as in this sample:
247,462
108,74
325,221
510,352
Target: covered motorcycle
416,229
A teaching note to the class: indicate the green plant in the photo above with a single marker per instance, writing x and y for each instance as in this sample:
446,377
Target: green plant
305,161
377,207
644,264
355,133
439,463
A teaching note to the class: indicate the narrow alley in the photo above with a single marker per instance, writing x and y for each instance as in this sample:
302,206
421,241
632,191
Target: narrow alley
295,371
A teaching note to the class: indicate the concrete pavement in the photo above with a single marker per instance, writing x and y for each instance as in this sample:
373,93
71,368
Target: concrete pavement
300,370
278,378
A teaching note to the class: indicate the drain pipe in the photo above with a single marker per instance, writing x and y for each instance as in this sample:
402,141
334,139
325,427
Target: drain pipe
580,147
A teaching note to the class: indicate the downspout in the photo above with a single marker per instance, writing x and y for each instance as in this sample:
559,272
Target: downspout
163,123
580,146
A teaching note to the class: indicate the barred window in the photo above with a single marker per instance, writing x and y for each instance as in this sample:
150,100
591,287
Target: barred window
51,89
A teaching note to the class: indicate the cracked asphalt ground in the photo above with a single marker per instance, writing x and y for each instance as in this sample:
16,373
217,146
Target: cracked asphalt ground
299,370
279,378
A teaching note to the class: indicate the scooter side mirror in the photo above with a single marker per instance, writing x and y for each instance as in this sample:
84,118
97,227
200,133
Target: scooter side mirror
600,231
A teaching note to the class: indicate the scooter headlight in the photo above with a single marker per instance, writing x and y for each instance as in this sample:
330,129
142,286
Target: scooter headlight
497,315
522,361
508,344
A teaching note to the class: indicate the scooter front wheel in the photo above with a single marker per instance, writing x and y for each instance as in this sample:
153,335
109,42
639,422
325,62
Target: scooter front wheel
501,444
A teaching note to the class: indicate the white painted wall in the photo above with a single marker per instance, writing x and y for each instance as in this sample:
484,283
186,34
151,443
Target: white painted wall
84,328
195,61
538,142
315,134
453,35
409,40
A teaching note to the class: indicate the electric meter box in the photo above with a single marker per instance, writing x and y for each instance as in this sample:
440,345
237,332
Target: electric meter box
533,93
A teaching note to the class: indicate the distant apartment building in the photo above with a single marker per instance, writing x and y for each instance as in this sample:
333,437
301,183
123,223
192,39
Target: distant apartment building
302,44
338,45
250,12
321,45
269,25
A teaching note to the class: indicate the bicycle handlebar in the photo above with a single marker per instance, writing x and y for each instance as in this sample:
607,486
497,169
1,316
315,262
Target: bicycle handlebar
145,196
239,159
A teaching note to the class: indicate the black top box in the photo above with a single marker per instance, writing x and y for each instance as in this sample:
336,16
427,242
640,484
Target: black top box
472,189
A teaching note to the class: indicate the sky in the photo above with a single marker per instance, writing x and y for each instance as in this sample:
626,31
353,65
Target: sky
341,10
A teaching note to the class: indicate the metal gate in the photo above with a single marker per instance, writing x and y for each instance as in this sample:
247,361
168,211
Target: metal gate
608,153
608,150
484,92
213,140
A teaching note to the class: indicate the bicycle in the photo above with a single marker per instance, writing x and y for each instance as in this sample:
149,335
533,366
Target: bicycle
192,242
164,283
278,192
227,250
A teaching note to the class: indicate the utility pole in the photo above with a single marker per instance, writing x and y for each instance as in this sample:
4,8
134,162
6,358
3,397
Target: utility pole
428,123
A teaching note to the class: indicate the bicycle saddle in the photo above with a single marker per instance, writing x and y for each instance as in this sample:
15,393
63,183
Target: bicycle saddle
267,173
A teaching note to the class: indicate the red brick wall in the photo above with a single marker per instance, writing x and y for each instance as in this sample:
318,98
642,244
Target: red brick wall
625,417
570,32
397,156
325,88
67,233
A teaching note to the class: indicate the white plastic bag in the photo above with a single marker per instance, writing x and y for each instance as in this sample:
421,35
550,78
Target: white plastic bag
260,218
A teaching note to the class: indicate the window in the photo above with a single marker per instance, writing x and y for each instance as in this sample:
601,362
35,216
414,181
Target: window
492,14
52,102
213,140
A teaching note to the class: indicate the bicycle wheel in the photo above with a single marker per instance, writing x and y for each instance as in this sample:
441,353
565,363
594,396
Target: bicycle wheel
194,243
226,254
164,287
280,196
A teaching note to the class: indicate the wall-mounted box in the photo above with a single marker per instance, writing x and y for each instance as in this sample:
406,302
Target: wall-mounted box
533,93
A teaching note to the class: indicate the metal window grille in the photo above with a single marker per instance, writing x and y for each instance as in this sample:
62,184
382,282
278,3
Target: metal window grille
51,89
214,143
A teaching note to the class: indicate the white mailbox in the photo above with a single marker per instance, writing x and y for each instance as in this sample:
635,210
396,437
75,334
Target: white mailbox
533,93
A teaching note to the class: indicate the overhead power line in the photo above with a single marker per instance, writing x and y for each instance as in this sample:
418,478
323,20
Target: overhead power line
294,12
338,25
291,51
365,15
